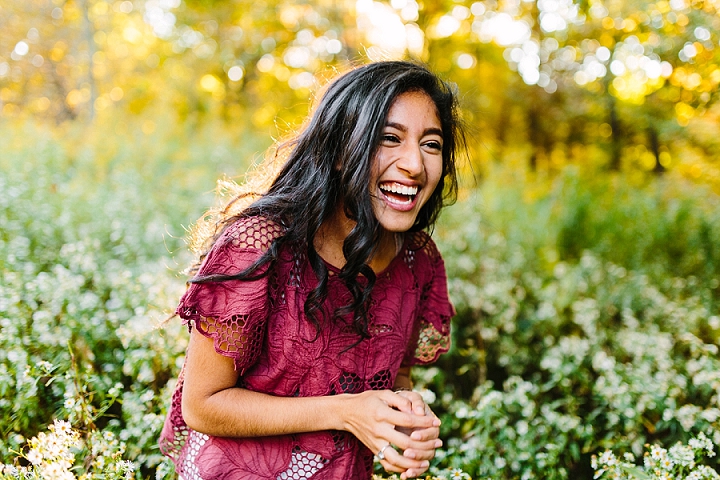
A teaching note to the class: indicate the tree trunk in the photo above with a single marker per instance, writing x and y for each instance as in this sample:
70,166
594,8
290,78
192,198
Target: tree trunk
535,132
655,149
88,33
616,136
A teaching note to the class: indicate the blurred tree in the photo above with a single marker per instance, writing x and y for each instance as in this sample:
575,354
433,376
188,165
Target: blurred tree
261,57
652,65
599,82
66,58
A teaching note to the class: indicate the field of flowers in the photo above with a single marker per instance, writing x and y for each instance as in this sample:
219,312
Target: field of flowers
585,345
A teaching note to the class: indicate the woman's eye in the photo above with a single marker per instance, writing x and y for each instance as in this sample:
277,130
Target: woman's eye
434,145
390,138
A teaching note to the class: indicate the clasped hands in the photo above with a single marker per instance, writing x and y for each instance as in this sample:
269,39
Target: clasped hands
401,427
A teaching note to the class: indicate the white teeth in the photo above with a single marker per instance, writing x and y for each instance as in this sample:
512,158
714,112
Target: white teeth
397,202
401,189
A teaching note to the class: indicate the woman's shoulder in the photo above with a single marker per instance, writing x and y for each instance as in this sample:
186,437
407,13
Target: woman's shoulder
251,233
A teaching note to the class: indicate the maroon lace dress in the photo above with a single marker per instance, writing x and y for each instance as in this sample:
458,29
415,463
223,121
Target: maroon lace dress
260,324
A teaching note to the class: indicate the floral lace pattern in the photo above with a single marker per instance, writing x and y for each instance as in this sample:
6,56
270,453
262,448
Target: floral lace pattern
261,325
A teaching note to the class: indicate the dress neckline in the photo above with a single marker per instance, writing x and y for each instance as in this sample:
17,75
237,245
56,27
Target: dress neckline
398,255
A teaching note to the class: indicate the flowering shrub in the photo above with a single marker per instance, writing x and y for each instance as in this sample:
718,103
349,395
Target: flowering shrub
581,329
84,283
680,461
448,474
556,360
62,452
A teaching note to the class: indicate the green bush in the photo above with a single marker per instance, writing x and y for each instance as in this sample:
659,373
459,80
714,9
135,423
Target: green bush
557,358
91,246
587,307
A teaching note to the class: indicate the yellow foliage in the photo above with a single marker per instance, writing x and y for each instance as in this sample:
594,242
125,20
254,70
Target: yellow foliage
100,8
74,97
663,6
116,94
132,34
210,83
41,104
58,51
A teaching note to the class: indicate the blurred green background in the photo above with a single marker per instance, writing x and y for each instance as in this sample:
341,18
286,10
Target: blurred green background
583,253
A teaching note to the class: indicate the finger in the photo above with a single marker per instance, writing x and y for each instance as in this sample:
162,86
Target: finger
431,444
403,442
423,450
414,438
400,463
389,465
412,421
417,403
399,402
412,473
399,412
420,454
429,412
425,434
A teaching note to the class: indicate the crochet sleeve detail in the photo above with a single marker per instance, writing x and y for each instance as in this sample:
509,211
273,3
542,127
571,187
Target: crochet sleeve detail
234,312
432,329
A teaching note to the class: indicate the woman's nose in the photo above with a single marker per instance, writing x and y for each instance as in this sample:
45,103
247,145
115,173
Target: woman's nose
411,160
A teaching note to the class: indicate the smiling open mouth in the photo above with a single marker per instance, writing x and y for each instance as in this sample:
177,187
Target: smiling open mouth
399,194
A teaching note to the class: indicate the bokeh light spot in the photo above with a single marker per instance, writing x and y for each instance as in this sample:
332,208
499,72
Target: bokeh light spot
235,73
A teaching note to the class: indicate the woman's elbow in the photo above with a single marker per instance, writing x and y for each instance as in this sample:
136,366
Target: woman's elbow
195,414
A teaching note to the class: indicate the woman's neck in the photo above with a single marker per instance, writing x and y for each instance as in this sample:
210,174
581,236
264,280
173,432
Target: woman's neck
331,235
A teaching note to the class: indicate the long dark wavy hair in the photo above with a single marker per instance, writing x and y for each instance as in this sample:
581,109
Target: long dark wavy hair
329,164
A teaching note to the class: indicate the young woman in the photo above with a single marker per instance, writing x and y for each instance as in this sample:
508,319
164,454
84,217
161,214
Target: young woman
313,302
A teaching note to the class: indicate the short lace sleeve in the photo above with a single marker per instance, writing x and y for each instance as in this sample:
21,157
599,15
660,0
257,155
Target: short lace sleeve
233,313
432,329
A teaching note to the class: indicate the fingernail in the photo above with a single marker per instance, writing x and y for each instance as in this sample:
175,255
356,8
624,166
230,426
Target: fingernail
438,443
415,436
436,422
425,464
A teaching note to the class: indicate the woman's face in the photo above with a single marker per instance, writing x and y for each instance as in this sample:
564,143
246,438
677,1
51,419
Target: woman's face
408,164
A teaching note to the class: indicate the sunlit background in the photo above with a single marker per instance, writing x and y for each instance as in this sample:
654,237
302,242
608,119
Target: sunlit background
615,84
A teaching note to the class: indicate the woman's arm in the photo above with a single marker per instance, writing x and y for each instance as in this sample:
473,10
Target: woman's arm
212,404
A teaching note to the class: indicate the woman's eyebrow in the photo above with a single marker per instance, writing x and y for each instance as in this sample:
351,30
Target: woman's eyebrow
433,131
403,128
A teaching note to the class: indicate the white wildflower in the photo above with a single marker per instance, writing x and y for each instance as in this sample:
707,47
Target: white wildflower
34,456
53,471
657,452
10,470
607,458
702,443
47,366
682,455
